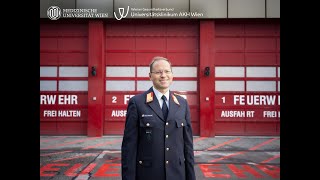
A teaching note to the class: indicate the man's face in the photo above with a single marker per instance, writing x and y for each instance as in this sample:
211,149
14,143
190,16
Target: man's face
161,81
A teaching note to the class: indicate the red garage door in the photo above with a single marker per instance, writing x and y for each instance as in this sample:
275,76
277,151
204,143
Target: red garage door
247,78
130,45
63,78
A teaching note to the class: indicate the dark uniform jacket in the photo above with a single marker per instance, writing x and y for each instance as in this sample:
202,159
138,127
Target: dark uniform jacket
154,148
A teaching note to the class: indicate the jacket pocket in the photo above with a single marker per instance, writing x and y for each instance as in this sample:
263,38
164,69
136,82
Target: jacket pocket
147,122
181,161
146,129
145,162
181,123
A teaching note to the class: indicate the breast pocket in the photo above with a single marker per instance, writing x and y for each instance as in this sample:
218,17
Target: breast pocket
147,129
147,122
181,123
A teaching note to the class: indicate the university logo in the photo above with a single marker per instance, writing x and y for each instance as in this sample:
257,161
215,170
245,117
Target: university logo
121,13
54,12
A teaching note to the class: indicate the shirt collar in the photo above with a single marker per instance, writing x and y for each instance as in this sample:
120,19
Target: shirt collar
159,94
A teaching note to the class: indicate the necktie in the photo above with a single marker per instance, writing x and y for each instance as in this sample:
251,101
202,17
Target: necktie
165,109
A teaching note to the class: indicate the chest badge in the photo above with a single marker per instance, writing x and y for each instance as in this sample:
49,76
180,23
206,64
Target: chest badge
149,97
175,100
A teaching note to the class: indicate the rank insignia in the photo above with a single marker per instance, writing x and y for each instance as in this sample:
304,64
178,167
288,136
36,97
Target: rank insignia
149,97
175,99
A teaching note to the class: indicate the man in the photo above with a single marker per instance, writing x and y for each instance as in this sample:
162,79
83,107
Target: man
157,142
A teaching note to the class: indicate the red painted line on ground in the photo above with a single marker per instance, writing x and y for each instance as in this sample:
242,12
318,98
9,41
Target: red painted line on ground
108,170
72,171
271,170
270,159
228,156
55,153
53,139
68,143
113,160
199,139
241,172
102,144
262,144
76,157
223,171
88,169
242,152
51,168
213,171
222,144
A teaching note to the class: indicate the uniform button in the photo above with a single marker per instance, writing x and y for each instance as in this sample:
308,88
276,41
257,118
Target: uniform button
167,149
167,162
181,124
140,162
148,124
167,124
167,136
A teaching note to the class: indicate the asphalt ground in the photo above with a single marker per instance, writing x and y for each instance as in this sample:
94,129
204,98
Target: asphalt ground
220,157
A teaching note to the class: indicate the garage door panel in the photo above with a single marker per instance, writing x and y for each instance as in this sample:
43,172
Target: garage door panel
260,29
48,44
229,128
183,30
182,44
193,99
120,58
261,128
278,44
71,128
47,113
145,57
77,59
113,128
116,113
229,44
49,30
151,30
229,29
73,29
195,128
63,79
116,99
48,128
73,44
232,58
230,114
183,59
247,79
261,58
271,114
48,58
194,115
151,44
260,44
120,43
120,29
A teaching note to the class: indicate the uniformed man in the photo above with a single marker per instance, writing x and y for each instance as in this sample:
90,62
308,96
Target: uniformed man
157,142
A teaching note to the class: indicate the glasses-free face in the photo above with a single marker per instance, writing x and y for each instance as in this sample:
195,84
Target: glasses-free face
161,75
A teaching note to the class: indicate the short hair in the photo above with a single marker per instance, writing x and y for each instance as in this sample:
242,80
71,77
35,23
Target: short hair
157,58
